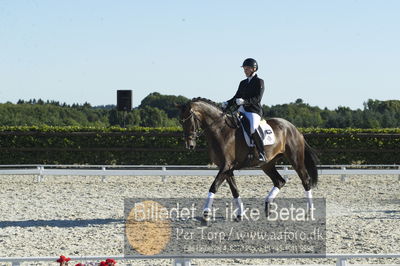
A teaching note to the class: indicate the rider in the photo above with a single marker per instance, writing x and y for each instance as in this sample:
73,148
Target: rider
248,97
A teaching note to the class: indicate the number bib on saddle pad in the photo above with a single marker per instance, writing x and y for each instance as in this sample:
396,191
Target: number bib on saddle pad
264,131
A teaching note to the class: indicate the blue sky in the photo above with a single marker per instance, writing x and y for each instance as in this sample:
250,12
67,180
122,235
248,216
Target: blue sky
329,53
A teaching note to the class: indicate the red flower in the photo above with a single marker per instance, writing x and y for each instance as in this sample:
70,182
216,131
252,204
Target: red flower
63,259
108,262
111,261
80,264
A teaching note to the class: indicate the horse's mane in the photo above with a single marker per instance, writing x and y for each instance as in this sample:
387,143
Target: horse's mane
200,99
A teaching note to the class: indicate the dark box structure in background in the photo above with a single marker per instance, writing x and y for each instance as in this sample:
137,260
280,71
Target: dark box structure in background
124,100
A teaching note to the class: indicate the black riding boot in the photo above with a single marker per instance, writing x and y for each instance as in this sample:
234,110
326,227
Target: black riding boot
260,146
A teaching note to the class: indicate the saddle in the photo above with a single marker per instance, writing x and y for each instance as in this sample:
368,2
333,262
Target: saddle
264,131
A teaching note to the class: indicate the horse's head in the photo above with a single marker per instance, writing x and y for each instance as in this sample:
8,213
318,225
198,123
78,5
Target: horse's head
198,114
190,124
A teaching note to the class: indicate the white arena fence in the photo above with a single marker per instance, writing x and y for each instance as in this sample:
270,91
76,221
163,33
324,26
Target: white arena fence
341,259
40,171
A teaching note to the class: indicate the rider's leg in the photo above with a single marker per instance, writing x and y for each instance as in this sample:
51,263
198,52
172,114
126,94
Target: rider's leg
254,123
259,145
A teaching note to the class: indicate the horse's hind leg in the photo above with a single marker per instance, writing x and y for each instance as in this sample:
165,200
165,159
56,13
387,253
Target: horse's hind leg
276,178
297,162
278,182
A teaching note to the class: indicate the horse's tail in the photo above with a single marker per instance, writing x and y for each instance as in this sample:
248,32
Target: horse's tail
311,160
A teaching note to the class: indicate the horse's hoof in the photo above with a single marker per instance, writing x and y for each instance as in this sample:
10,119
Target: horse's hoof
206,217
205,223
239,218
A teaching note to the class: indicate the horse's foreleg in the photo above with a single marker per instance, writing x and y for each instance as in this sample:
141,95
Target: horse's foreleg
208,205
239,208
236,198
207,210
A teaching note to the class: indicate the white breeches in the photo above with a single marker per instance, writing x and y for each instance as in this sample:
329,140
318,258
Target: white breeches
254,119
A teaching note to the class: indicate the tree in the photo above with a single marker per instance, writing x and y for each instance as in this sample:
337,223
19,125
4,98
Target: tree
39,112
123,118
154,117
164,102
299,101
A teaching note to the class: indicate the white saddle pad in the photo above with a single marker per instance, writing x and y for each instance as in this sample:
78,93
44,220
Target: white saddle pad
266,133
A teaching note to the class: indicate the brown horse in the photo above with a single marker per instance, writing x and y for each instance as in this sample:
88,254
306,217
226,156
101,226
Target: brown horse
228,150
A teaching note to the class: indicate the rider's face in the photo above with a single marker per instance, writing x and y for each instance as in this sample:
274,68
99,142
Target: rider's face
248,71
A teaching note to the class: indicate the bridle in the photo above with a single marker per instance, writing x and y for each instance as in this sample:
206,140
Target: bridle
197,132
196,123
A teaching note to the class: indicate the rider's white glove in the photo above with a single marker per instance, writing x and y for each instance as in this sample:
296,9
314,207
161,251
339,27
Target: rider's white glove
224,105
239,101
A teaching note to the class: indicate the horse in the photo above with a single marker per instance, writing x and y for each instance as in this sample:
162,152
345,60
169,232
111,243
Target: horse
228,150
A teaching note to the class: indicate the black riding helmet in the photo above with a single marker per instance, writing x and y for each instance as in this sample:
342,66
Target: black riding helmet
250,62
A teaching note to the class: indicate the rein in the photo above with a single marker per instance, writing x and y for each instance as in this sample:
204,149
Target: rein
233,120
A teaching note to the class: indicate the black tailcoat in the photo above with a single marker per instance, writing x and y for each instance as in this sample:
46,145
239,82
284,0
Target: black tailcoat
251,92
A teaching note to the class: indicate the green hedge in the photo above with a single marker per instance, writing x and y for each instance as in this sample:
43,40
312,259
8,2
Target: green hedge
150,146
355,146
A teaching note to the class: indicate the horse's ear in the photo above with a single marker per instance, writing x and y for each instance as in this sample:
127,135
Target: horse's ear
179,106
